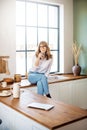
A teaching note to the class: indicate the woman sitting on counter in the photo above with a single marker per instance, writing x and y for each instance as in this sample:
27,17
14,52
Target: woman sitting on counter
42,62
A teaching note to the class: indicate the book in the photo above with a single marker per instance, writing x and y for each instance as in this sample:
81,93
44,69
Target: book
24,83
41,106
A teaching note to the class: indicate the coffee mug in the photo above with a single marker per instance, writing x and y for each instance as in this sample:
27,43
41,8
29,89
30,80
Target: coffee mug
4,84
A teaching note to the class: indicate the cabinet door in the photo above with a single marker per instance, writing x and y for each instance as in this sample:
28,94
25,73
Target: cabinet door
61,91
13,120
66,92
54,91
79,93
78,125
72,92
7,118
33,89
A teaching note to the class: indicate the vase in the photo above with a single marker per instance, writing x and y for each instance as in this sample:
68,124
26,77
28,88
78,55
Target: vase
76,70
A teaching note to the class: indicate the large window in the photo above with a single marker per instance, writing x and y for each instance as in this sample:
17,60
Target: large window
35,22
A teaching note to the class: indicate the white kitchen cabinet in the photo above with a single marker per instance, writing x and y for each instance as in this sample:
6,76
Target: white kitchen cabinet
13,120
61,91
79,125
79,93
72,92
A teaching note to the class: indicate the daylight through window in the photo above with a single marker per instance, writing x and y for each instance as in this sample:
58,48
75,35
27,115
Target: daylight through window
36,22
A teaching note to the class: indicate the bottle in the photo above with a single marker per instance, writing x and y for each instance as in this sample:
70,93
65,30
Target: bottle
16,91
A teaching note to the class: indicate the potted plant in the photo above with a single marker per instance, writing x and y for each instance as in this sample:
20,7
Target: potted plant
76,69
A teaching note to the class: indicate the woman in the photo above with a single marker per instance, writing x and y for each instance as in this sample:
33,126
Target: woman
40,70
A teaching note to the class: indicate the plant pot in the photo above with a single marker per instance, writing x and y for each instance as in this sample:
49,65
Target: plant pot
76,70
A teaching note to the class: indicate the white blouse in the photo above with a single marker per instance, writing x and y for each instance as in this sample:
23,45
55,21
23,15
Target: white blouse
44,66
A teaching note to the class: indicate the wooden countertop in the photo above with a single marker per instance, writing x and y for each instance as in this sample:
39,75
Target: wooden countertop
60,115
61,78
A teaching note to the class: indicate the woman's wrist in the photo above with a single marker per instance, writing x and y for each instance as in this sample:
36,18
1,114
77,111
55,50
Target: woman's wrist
37,61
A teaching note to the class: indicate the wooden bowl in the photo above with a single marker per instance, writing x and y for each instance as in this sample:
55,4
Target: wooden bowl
8,80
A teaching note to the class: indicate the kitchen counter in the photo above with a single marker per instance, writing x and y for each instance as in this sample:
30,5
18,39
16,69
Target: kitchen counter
55,78
61,115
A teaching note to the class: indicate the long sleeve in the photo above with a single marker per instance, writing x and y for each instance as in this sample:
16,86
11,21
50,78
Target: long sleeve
34,68
43,67
49,68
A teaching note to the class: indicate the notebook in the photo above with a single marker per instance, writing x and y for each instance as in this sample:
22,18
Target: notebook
40,106
24,82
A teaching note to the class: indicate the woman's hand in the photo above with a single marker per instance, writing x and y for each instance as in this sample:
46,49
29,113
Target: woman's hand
38,59
41,56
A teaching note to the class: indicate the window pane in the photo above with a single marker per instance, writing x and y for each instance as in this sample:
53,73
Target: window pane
20,38
35,22
20,63
30,60
42,34
31,38
54,67
20,13
53,16
53,38
31,16
42,15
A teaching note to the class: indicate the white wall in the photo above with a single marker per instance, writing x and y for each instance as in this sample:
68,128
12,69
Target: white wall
8,32
68,35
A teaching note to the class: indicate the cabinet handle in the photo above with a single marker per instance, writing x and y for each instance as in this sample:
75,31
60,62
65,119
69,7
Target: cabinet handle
0,121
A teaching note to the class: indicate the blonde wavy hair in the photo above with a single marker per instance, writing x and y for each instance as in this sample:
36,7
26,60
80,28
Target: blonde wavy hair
48,54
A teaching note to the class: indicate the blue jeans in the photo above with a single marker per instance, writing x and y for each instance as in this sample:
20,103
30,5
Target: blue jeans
41,80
